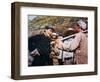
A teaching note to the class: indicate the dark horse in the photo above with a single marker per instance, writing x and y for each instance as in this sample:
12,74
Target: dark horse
42,44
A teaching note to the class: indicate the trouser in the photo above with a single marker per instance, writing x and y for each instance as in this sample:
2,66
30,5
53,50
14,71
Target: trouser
60,61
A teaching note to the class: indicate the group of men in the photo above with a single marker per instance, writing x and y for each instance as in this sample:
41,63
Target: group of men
44,47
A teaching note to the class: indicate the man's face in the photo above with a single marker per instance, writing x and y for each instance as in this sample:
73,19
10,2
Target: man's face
49,32
76,29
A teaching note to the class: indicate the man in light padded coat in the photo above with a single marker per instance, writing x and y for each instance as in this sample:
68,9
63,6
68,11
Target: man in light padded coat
78,44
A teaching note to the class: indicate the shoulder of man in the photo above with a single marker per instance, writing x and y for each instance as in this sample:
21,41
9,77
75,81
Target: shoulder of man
79,34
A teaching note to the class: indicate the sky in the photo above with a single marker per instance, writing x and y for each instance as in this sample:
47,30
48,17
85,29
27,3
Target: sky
31,17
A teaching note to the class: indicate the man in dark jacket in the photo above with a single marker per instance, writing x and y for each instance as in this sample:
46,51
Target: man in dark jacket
41,43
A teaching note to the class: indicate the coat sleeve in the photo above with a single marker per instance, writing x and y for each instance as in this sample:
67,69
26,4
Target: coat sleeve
75,42
70,46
